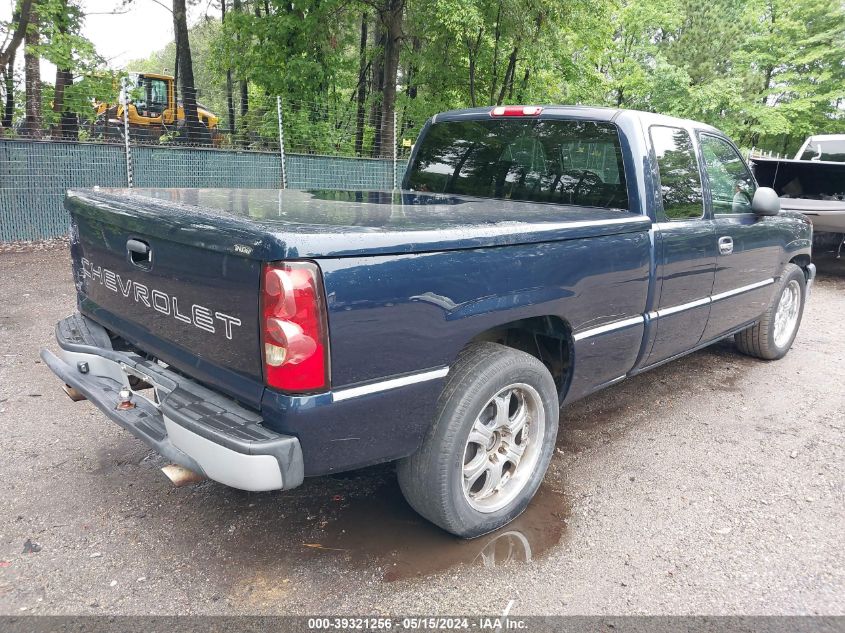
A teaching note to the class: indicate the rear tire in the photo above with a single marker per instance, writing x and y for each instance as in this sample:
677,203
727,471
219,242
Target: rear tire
772,336
493,437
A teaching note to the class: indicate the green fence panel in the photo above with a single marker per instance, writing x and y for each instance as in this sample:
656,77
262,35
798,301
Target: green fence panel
305,171
34,176
198,167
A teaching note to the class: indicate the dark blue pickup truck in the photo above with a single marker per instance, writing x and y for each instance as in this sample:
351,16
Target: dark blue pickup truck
533,256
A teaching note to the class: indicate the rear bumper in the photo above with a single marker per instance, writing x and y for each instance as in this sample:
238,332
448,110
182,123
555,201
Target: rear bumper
185,422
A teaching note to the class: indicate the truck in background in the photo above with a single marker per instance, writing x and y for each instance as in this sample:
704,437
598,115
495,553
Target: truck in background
812,183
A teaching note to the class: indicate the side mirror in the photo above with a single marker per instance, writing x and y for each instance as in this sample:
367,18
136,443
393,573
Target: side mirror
765,202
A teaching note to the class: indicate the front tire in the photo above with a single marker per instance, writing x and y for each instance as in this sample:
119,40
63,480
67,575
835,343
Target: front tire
772,336
493,437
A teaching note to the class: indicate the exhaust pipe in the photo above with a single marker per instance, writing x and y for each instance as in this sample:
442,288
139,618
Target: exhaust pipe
180,476
73,394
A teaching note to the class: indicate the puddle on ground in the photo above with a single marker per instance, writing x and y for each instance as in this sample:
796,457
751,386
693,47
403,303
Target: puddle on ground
383,530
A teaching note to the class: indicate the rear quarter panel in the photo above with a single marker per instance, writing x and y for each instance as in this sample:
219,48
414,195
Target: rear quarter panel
397,314
391,315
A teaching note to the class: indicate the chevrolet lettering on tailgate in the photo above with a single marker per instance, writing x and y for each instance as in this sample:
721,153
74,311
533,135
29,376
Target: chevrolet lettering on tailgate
199,316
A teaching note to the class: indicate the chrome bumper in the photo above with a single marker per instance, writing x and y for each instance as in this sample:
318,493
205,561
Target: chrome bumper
182,420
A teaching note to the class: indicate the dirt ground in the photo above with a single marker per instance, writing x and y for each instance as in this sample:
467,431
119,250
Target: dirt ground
713,484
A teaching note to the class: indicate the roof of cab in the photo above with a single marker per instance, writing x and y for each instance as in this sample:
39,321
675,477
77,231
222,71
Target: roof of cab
568,111
590,113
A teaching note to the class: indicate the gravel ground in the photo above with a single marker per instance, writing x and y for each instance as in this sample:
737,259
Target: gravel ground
711,485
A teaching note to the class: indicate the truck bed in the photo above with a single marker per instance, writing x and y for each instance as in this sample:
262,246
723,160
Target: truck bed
826,215
194,301
814,188
271,224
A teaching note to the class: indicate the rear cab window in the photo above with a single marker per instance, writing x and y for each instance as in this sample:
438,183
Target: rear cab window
828,149
680,178
539,160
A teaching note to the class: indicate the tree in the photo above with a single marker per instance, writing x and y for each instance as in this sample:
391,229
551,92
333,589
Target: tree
54,33
68,124
32,72
79,69
230,101
15,36
193,129
361,91
9,86
244,83
792,73
390,15
15,33
766,71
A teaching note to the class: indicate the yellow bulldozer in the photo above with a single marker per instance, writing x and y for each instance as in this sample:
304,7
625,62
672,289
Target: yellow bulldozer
154,114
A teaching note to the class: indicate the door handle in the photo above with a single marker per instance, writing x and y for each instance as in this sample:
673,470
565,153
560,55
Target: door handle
726,245
137,246
140,254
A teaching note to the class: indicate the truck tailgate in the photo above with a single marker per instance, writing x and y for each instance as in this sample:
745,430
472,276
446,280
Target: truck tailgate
189,304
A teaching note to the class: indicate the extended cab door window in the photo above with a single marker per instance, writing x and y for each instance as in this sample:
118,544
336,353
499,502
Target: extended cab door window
680,180
731,184
685,247
749,250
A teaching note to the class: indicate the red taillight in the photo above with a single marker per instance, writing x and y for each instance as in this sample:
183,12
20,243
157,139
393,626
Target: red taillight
516,111
293,327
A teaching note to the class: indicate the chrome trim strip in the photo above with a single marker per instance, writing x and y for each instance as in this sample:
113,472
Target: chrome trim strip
609,327
684,306
384,385
705,300
433,374
737,291
656,314
666,224
639,219
578,224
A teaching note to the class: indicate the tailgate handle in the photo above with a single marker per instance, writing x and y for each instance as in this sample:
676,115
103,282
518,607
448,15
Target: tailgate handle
140,253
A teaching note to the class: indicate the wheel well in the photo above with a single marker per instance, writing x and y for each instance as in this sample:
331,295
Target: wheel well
547,338
800,260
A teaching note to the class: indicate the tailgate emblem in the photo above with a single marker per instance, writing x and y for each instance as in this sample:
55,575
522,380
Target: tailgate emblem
200,316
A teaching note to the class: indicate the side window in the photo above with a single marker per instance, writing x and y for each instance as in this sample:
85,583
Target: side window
139,94
731,184
680,180
158,100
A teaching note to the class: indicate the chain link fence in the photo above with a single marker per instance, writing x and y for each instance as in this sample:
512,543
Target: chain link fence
143,140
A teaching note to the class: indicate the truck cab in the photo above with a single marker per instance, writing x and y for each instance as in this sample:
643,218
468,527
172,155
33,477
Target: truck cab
824,147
